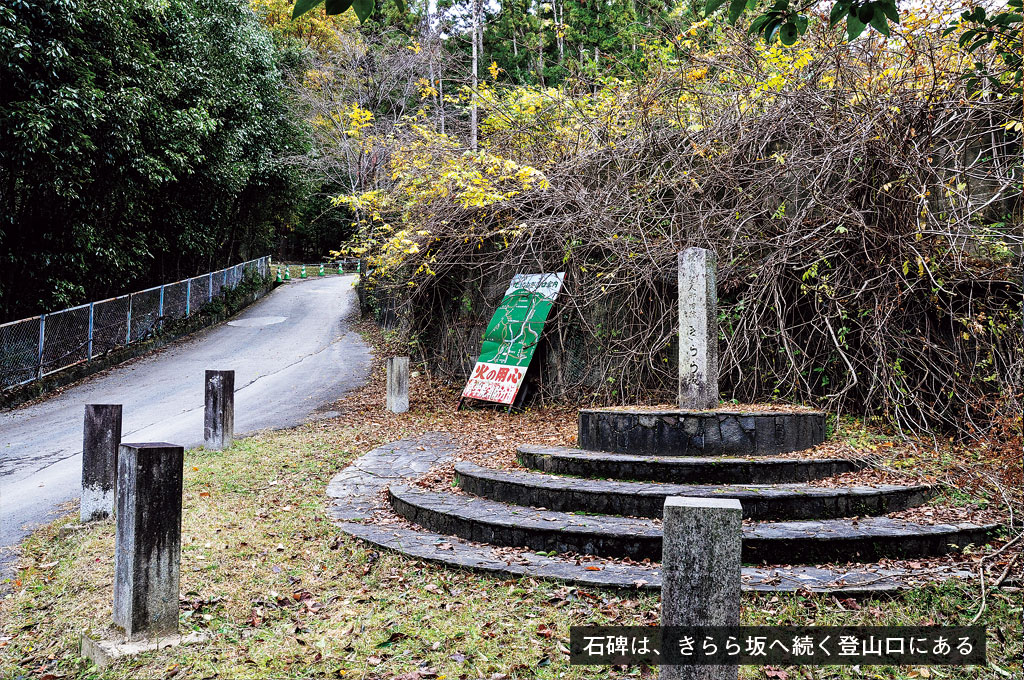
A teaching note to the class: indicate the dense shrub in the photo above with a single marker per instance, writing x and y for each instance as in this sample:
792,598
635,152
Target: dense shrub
864,204
139,141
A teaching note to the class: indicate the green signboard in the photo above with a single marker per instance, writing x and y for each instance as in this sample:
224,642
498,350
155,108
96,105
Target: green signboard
511,337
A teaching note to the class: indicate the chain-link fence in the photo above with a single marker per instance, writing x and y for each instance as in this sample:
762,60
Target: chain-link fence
34,347
347,265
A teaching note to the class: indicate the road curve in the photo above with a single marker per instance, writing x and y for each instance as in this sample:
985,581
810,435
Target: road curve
292,353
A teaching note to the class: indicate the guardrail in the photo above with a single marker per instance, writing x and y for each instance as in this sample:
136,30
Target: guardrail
287,272
40,345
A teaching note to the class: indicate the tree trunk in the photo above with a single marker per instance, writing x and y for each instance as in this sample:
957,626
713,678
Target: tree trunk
559,9
475,78
540,45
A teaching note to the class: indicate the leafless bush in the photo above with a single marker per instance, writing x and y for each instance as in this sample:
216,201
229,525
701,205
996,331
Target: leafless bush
868,241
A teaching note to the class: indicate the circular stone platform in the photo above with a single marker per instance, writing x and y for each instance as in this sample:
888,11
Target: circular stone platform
676,432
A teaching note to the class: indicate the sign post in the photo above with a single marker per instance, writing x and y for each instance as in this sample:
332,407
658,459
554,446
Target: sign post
511,338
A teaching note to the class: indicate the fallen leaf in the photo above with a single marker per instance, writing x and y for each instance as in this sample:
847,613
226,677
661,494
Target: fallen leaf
395,637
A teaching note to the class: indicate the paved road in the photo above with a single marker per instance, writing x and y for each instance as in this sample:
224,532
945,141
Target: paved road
292,354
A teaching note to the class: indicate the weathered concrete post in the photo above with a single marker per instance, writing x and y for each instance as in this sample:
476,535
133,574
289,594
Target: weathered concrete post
398,384
99,460
219,424
698,329
147,549
700,572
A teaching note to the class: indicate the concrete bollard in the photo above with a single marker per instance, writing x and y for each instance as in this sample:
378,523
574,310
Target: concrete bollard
147,553
219,421
99,461
698,329
398,384
700,572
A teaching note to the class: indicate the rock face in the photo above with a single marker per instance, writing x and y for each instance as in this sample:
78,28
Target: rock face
699,433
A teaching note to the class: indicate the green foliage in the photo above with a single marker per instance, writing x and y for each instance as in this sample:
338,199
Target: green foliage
788,22
597,40
362,8
139,141
1000,32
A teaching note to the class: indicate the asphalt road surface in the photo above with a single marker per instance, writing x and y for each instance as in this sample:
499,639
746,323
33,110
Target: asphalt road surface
292,353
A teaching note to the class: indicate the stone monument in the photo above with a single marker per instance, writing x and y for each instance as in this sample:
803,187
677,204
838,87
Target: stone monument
698,329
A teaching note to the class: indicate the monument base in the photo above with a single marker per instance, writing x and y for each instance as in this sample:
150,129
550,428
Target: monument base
714,432
106,651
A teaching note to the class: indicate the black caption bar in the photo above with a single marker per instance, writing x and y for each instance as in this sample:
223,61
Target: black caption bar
777,645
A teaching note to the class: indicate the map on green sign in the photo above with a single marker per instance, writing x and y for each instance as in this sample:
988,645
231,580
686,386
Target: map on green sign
512,336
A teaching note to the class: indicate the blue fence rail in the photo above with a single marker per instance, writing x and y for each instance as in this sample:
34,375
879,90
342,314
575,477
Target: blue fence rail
40,345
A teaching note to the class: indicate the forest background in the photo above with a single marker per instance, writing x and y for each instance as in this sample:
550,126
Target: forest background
861,182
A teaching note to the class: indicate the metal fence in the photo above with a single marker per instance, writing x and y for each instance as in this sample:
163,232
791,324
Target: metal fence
34,347
347,265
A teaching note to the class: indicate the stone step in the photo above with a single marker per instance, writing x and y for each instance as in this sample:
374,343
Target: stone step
645,499
682,469
675,432
855,580
804,542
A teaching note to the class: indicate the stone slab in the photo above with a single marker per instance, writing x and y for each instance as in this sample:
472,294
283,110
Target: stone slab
660,432
682,469
806,542
104,652
356,492
640,499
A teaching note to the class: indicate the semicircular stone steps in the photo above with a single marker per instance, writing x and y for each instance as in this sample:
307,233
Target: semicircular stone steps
805,542
465,531
640,499
561,460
